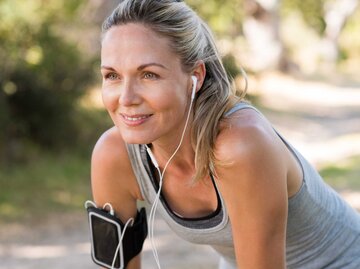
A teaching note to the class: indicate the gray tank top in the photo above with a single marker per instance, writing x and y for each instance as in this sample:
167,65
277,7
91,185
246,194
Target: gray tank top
323,231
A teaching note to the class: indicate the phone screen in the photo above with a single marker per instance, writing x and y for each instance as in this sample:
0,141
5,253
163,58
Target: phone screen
105,234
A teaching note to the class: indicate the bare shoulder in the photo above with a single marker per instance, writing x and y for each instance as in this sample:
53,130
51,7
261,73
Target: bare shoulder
112,178
110,150
247,136
251,155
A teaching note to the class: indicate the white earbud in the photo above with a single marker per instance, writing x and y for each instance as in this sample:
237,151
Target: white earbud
194,79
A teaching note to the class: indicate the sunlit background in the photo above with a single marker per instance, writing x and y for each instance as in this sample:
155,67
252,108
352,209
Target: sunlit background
302,58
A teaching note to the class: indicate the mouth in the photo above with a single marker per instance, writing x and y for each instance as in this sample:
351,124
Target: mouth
135,120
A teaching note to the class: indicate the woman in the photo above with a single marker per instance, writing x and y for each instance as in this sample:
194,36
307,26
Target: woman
230,180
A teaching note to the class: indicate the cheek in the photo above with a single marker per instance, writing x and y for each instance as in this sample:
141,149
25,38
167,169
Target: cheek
110,99
171,95
173,105
166,102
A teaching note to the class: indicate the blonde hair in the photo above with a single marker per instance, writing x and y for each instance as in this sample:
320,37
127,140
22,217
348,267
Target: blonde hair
192,41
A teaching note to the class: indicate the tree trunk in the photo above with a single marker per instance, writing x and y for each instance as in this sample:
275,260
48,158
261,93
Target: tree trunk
336,15
261,30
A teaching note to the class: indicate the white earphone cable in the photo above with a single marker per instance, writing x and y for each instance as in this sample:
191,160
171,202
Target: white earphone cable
161,175
131,220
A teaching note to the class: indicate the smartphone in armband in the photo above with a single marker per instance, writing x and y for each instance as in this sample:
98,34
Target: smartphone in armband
105,239
112,240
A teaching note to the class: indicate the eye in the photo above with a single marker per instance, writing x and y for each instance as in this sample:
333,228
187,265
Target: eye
150,75
111,76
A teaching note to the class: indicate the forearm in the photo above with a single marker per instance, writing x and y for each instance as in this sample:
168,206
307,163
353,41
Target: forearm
134,263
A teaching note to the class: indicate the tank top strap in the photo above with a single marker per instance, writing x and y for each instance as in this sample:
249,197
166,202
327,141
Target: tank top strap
239,106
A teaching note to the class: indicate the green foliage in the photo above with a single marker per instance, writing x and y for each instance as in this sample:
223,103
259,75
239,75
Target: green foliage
349,41
223,16
312,12
51,180
42,75
44,185
343,175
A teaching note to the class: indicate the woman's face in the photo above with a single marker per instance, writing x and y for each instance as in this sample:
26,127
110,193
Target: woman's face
145,90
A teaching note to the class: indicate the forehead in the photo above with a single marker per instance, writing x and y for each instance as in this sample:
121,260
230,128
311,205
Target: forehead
134,44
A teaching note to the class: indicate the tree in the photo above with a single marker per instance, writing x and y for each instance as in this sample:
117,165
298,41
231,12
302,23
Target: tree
337,13
261,30
42,76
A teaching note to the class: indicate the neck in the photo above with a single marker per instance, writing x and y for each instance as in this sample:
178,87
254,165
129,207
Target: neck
184,157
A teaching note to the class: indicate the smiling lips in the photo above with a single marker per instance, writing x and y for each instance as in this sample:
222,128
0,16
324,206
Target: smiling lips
135,120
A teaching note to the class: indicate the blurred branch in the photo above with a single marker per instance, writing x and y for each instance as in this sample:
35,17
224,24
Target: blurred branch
336,15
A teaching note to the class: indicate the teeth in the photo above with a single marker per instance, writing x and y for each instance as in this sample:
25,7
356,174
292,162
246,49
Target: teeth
135,118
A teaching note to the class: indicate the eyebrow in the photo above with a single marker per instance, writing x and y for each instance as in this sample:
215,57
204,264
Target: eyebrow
141,67
107,67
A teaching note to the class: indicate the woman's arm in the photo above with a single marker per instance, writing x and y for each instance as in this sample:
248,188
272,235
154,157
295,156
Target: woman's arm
254,187
113,181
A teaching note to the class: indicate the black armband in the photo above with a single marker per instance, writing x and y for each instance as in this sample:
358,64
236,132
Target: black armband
106,231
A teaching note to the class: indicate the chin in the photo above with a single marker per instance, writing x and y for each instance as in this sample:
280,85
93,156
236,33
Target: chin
134,141
135,138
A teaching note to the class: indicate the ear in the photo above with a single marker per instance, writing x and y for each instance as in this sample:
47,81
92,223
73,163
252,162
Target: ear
199,72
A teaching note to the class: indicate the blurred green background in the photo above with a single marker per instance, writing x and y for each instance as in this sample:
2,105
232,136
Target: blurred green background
50,117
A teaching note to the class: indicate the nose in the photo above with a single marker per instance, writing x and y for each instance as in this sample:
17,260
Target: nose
128,93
